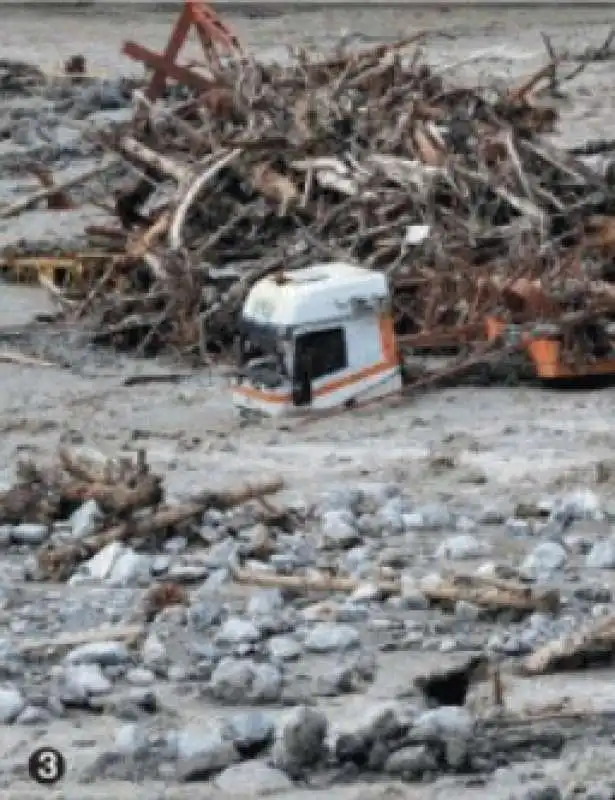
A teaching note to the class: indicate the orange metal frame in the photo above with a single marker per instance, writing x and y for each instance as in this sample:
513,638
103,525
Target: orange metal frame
214,37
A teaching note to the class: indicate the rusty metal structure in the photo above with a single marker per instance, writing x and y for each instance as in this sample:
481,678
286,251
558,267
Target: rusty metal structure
215,38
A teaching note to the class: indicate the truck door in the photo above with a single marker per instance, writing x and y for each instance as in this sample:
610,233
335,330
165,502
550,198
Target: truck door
317,355
302,375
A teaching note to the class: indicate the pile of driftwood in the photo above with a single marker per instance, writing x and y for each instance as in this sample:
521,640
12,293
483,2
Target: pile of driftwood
368,157
129,504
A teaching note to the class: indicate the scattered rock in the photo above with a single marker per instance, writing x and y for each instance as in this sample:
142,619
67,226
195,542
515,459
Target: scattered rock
328,637
411,762
252,779
238,631
107,654
12,703
301,741
462,546
86,519
602,555
339,529
202,753
29,534
236,681
85,680
251,732
545,559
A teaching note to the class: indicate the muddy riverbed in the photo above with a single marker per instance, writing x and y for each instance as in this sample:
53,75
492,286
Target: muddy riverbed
473,452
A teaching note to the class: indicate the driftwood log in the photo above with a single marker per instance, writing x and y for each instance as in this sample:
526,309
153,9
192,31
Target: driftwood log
490,594
594,645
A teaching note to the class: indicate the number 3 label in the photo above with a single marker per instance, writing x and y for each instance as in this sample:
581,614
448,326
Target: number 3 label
46,765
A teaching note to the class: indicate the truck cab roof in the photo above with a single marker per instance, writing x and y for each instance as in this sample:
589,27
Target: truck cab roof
319,293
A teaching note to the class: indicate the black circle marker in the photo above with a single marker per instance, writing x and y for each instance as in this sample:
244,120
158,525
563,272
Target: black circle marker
46,766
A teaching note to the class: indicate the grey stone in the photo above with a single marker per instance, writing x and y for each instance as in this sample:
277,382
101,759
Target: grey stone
103,96
216,580
250,731
519,527
367,593
12,703
128,568
85,680
33,715
86,519
411,762
222,554
466,611
175,545
368,525
159,565
284,648
205,613
188,569
543,793
202,753
342,499
266,684
577,505
545,559
154,653
336,681
351,611
237,631
491,515
327,637
339,529
430,517
252,779
578,543
99,567
461,547
29,533
263,602
236,681
106,654
389,517
411,594
131,739
140,676
602,555
444,722
465,524
300,742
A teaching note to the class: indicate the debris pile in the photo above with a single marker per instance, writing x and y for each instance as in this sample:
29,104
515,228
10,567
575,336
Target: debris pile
85,503
366,157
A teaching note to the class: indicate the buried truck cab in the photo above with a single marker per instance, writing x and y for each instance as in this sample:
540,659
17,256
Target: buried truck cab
316,338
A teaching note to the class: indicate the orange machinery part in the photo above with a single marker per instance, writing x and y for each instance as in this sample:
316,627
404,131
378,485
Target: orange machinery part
545,354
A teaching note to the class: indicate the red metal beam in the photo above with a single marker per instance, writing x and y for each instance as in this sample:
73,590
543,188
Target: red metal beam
212,34
155,61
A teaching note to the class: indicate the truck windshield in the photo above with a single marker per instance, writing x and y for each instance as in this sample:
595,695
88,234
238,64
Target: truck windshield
262,362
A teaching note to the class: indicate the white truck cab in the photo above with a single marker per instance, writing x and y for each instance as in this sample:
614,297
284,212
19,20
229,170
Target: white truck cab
316,338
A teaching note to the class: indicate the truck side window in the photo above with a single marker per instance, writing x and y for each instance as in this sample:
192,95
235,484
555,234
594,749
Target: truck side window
325,350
